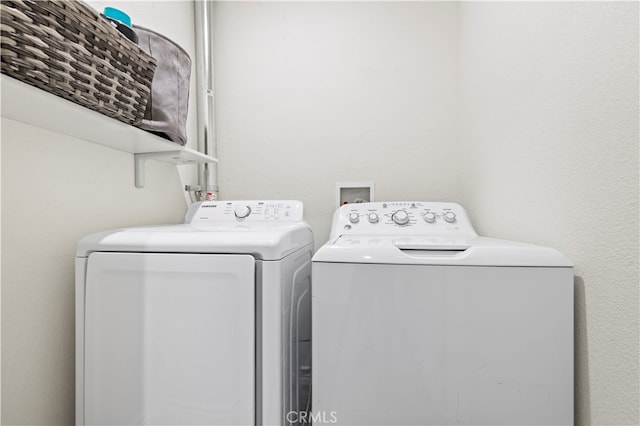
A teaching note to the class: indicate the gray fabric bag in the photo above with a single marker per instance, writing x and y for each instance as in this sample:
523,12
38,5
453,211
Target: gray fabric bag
166,113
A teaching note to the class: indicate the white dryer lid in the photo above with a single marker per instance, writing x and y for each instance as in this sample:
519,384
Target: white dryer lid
272,243
268,230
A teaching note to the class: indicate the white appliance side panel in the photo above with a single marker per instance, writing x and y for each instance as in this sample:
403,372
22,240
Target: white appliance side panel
426,345
286,338
169,339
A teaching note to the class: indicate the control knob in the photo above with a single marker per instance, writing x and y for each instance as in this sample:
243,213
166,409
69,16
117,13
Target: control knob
242,212
429,217
354,217
373,217
400,217
449,217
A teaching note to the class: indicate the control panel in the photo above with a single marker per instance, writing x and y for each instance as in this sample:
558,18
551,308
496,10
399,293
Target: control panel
402,218
254,211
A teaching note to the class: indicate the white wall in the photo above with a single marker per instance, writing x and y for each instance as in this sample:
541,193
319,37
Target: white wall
537,136
55,189
549,97
310,94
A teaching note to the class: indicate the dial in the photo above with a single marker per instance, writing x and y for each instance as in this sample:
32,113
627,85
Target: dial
400,217
373,217
449,217
242,212
429,217
354,217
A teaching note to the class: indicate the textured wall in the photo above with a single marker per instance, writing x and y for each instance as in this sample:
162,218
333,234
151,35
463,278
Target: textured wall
310,94
549,97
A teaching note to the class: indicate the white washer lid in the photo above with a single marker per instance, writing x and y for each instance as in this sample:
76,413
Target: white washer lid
430,250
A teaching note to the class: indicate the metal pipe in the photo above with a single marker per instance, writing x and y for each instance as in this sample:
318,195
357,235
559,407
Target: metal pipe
207,172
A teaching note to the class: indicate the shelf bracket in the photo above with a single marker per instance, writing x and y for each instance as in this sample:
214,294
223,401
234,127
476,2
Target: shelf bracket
179,157
140,160
176,157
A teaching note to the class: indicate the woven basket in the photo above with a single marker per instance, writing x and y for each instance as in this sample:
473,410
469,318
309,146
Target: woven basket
66,48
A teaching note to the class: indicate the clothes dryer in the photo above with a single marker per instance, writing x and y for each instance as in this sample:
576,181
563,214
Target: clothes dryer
207,322
419,321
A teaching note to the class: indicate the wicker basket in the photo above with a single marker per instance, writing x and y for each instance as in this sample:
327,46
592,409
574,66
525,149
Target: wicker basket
66,48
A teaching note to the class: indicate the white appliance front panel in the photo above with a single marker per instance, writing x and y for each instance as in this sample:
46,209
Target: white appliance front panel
408,218
445,345
247,212
169,339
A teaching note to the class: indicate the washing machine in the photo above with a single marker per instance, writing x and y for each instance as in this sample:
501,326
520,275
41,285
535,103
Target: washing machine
206,322
419,321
